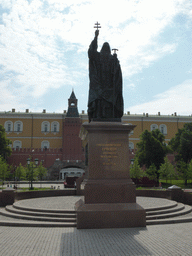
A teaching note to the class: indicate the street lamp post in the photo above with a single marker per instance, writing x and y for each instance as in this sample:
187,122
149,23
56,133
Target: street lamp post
36,163
132,162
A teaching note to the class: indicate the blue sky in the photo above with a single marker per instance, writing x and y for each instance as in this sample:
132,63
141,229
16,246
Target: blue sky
44,43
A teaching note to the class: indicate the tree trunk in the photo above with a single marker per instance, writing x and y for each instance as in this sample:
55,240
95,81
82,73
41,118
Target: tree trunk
185,182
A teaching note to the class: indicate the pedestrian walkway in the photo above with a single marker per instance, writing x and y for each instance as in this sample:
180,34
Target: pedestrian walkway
167,239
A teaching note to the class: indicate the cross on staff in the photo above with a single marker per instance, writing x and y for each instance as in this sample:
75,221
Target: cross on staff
97,25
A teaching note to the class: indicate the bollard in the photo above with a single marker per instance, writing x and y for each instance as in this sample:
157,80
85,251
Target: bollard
176,193
8,196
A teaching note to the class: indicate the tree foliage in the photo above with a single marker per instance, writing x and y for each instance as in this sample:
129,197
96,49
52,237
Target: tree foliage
41,171
151,150
5,150
182,144
190,170
135,170
4,172
20,172
166,170
185,170
31,172
152,172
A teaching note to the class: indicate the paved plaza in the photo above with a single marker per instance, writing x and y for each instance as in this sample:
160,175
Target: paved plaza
175,239
168,239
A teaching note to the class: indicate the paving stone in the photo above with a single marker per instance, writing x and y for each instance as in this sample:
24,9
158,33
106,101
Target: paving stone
166,240
153,240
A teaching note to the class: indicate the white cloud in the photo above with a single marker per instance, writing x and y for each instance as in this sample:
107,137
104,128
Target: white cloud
40,42
176,99
131,85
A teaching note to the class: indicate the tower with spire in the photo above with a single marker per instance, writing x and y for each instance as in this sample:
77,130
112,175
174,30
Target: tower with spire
72,144
72,106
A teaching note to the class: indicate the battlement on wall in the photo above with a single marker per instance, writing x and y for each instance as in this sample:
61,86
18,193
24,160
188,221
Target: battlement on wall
36,150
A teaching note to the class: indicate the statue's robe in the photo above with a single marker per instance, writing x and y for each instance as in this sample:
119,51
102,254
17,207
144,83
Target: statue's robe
105,89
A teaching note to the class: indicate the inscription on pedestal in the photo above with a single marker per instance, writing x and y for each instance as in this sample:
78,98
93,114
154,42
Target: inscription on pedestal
109,153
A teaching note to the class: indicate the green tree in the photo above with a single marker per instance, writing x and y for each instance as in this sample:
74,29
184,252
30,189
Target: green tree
166,170
31,173
5,150
185,170
20,172
4,172
41,171
182,168
135,170
181,144
152,172
190,170
152,150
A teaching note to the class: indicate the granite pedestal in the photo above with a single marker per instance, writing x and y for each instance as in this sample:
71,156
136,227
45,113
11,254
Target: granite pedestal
109,194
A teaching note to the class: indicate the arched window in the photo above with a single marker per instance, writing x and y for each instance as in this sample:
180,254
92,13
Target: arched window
45,126
17,144
131,145
55,126
8,126
154,127
18,126
45,144
163,129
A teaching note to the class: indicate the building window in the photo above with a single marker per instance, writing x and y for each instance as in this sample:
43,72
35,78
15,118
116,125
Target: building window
8,126
45,126
18,126
55,127
45,144
131,145
154,127
17,144
163,129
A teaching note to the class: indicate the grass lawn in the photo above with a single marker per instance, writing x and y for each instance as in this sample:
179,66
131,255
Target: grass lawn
179,183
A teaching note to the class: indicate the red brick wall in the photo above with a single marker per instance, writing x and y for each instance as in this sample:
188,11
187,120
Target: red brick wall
72,144
47,157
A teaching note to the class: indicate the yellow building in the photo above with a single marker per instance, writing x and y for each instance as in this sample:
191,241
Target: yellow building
167,124
45,130
55,136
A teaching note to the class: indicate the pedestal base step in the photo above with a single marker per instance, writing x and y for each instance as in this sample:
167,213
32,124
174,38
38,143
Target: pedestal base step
120,215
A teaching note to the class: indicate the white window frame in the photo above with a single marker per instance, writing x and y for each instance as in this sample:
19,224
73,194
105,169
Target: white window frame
17,144
131,145
16,126
43,146
53,124
164,127
152,127
6,125
43,125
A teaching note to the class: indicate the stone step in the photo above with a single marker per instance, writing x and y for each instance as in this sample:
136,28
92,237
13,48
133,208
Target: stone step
186,210
177,208
15,205
12,209
4,212
36,224
169,221
171,205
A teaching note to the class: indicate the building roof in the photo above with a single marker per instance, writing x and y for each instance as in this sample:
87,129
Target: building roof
72,95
